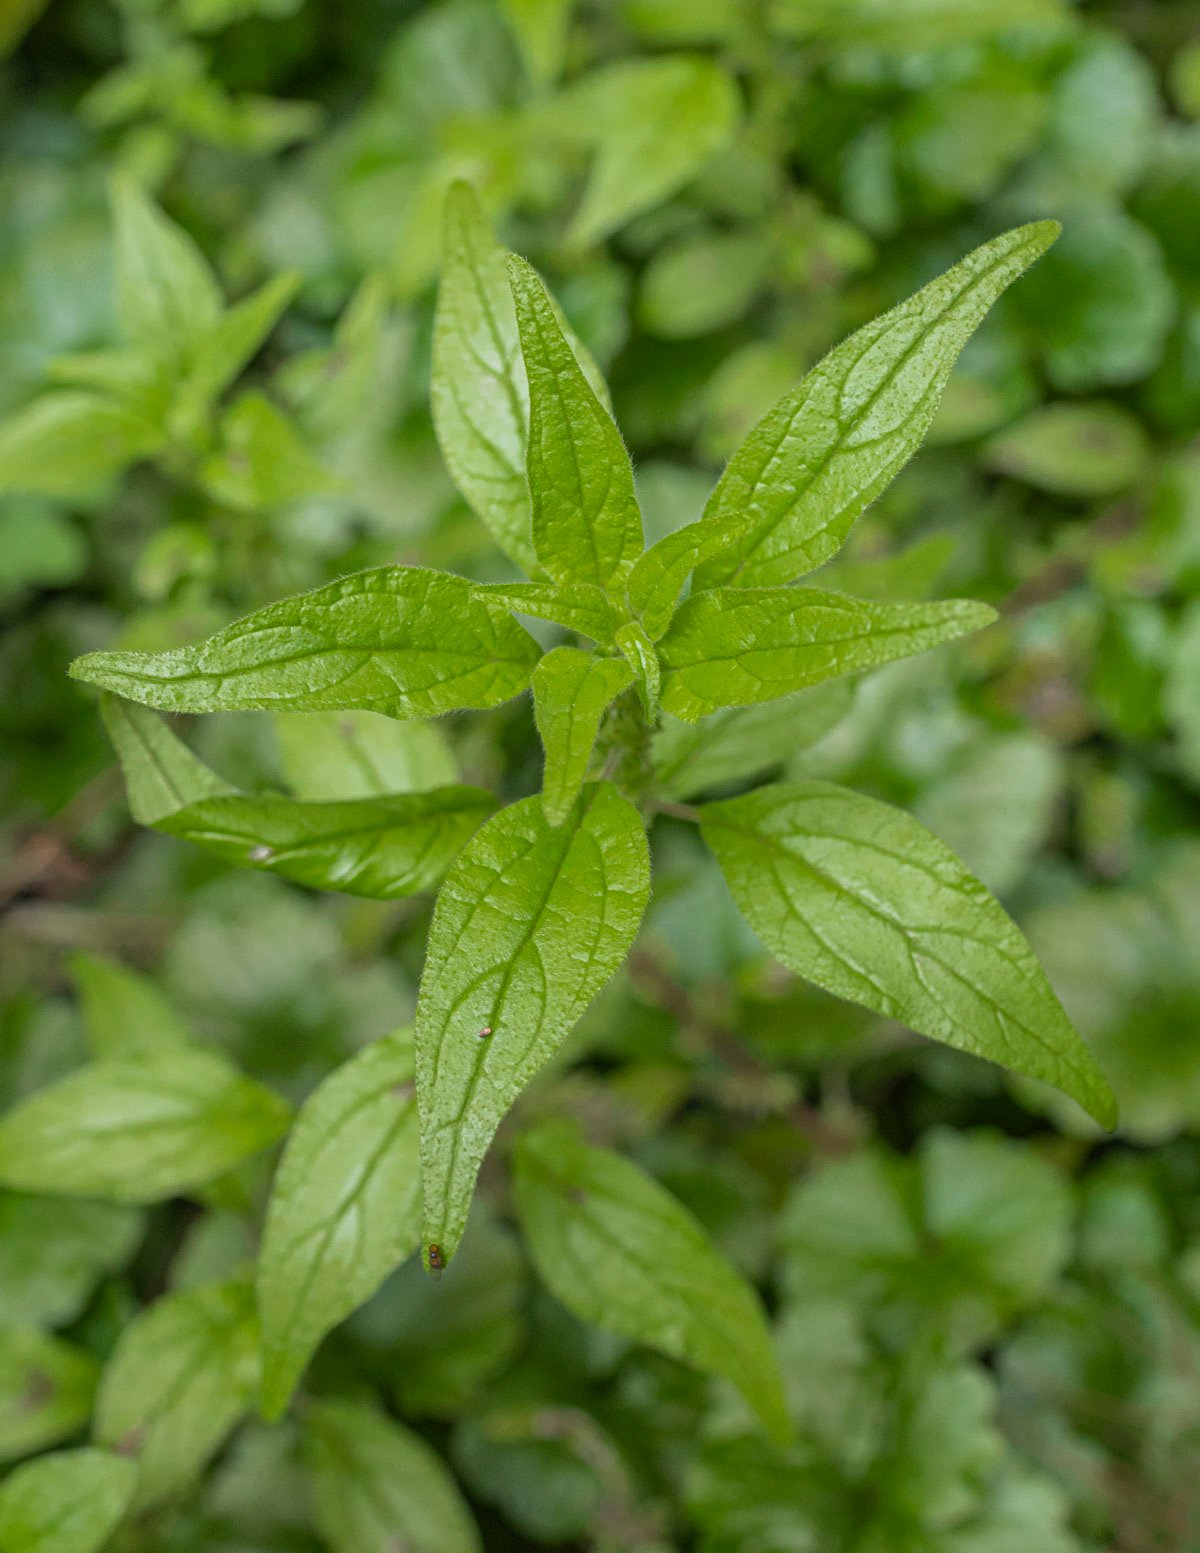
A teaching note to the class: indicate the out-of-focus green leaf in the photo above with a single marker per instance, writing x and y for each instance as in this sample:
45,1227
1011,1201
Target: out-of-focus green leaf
338,755
52,1255
46,1388
68,443
68,1502
124,1013
1072,449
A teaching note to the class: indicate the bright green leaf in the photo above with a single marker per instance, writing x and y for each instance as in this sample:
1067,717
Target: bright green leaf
579,606
828,448
861,899
65,444
619,1251
658,576
167,296
124,1013
399,639
378,1487
586,522
181,1377
740,646
571,692
344,1211
338,755
908,24
638,651
138,1129
530,924
46,1388
540,27
221,354
263,461
70,1502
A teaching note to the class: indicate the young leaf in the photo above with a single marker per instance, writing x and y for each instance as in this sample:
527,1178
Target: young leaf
540,27
70,1502
138,1129
46,1388
579,606
586,522
399,639
65,444
654,123
861,899
659,574
828,448
739,646
638,651
382,848
344,1210
339,755
167,296
377,1487
480,392
181,1377
742,742
619,1251
571,692
124,1013
530,924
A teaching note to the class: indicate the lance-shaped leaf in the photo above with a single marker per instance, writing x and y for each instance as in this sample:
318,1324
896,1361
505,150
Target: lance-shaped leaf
571,692
70,1502
166,294
65,444
383,848
587,525
861,899
138,1129
617,1249
124,1013
46,1388
379,1488
399,639
344,1211
638,651
530,924
740,646
183,1374
480,392
579,606
828,448
658,576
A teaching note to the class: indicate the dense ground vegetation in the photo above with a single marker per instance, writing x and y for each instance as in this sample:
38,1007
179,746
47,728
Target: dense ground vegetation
987,1310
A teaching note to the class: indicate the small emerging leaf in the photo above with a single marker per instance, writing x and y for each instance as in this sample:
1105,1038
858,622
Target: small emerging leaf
740,646
859,898
571,692
619,1251
638,651
658,576
530,924
587,525
579,606
138,1129
70,1502
399,639
826,451
344,1211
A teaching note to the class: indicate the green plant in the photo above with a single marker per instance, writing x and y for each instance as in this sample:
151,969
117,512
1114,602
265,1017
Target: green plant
541,901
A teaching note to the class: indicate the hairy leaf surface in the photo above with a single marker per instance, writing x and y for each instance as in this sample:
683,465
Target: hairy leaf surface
571,692
579,606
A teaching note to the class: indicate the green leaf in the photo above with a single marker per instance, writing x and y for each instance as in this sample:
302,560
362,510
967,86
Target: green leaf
743,742
124,1013
638,651
70,1502
540,27
182,1376
704,281
907,24
221,354
262,460
530,924
382,848
378,1487
46,1388
480,393
53,1254
572,690
619,1251
586,522
66,444
138,1129
579,606
399,639
344,1211
740,646
829,447
167,296
338,755
861,899
1072,449
658,576
654,124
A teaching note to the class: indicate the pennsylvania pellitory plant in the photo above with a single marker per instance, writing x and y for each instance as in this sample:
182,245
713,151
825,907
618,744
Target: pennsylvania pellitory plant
540,902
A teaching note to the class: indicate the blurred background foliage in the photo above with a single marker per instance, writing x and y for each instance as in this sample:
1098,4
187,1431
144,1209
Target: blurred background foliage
988,1314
